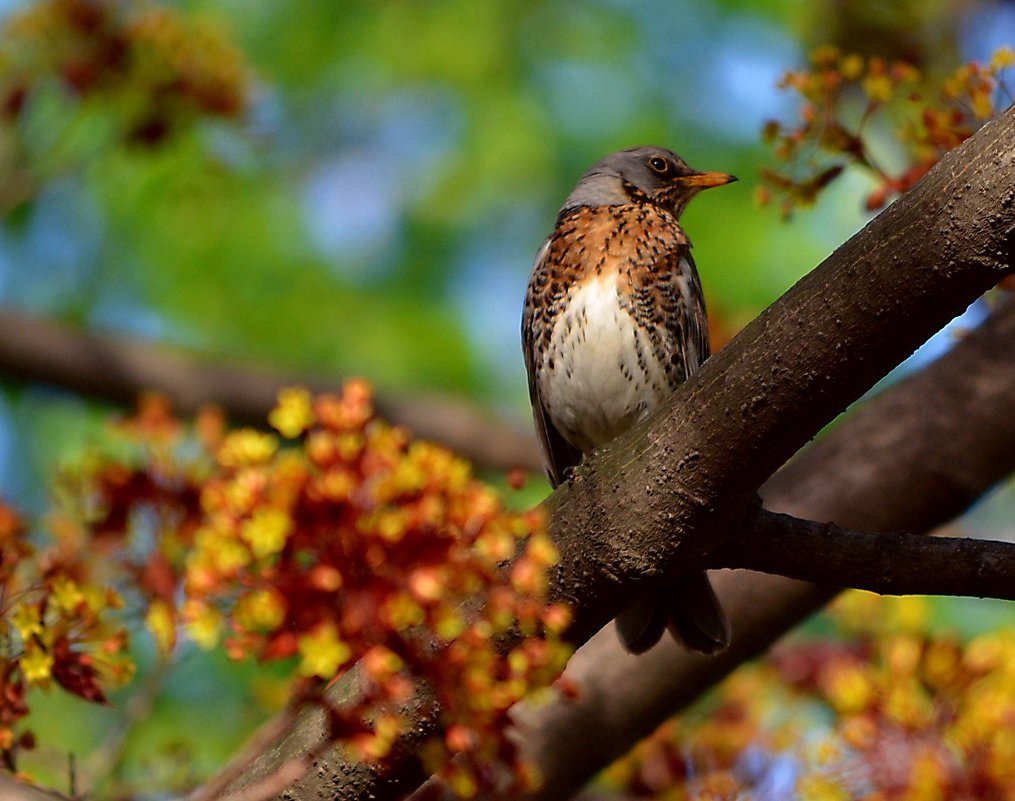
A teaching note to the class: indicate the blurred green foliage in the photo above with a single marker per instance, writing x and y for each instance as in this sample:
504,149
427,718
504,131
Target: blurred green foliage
393,161
362,189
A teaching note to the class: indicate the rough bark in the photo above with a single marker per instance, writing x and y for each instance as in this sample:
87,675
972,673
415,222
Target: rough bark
891,563
119,368
665,493
911,458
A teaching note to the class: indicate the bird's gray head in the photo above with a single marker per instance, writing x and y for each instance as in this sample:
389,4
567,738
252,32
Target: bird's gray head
642,174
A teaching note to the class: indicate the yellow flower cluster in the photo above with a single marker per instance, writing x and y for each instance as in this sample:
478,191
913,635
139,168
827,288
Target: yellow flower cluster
927,115
55,628
351,541
891,712
338,539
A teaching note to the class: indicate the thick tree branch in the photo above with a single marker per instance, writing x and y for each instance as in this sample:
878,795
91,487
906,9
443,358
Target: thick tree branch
889,563
911,458
119,368
667,493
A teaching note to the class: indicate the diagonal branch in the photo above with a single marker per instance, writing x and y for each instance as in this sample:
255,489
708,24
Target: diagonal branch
891,563
120,368
913,457
669,492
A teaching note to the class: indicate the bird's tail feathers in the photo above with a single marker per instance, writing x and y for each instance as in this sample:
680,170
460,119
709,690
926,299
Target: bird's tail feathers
688,606
640,626
695,616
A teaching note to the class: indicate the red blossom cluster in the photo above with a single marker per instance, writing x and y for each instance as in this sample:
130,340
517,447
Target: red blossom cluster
55,627
342,541
361,544
847,97
65,601
153,66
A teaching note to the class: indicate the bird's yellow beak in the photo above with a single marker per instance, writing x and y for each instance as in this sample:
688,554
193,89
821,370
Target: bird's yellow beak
704,180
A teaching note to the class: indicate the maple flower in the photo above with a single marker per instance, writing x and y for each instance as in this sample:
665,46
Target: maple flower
27,619
203,623
216,553
67,595
260,609
246,447
294,412
266,531
161,622
36,664
1002,58
322,653
878,86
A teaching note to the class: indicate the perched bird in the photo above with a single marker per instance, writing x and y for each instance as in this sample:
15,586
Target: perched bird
614,322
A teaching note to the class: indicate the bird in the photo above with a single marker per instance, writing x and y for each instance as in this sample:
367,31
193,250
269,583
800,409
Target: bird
614,321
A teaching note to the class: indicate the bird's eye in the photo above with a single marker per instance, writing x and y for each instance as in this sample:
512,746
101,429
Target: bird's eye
659,164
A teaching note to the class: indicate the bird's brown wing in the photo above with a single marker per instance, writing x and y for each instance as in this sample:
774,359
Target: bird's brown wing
687,602
694,327
558,453
693,611
664,296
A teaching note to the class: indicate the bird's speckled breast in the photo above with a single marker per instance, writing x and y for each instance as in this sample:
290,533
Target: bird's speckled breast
604,377
614,321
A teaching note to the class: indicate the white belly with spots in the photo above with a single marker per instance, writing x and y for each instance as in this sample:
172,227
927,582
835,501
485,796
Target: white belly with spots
605,376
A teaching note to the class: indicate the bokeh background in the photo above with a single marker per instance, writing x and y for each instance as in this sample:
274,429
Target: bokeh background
358,188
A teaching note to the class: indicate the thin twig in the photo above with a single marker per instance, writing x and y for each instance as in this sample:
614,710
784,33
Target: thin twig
106,759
